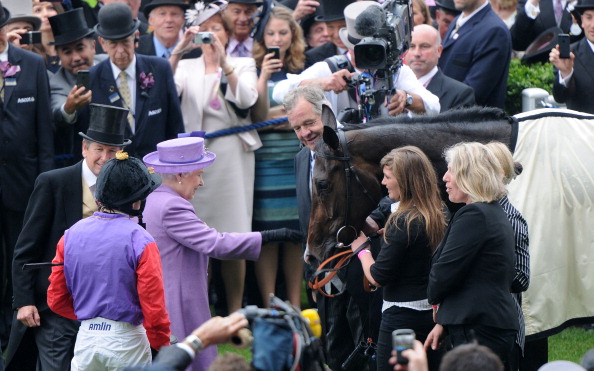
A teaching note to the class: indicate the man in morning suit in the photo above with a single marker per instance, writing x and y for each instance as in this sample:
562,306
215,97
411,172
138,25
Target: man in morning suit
574,82
26,150
422,57
166,17
238,16
60,198
477,52
75,46
140,83
333,16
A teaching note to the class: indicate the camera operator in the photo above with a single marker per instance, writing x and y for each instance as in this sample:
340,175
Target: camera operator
410,95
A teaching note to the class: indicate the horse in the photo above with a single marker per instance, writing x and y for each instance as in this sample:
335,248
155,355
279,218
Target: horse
346,182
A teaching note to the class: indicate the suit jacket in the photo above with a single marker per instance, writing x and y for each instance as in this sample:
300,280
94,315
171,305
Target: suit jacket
475,264
451,93
525,29
479,56
579,93
319,53
146,46
25,129
158,115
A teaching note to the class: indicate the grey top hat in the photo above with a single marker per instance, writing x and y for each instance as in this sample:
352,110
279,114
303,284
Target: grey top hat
148,8
69,27
4,15
348,34
21,11
116,22
107,125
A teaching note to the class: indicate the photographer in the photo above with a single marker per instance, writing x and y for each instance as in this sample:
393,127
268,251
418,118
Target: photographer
409,94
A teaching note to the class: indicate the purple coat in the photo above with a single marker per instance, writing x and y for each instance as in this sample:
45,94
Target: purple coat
185,243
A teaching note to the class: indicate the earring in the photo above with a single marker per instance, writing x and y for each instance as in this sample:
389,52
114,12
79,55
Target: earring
179,182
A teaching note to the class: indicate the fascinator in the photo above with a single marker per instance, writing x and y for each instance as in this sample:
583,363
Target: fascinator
261,19
203,10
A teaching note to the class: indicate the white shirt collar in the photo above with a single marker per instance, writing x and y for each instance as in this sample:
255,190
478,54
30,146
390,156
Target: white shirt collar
424,80
462,19
589,43
4,54
88,175
130,70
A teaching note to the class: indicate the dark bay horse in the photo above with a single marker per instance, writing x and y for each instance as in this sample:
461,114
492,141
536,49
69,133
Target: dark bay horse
347,176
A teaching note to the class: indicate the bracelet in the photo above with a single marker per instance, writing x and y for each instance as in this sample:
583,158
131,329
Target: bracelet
364,251
230,72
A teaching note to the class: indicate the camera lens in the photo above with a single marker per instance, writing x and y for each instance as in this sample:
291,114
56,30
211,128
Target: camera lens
207,39
372,54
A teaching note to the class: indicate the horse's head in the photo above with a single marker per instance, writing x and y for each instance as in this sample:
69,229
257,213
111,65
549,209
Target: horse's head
345,189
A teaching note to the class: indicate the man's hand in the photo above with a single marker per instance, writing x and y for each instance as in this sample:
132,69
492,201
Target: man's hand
397,103
337,82
417,358
304,8
29,316
564,65
218,330
77,98
435,337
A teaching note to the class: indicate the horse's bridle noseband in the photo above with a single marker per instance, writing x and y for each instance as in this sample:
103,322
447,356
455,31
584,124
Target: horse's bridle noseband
349,171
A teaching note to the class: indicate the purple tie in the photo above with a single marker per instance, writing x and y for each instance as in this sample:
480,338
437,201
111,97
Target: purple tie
558,11
241,50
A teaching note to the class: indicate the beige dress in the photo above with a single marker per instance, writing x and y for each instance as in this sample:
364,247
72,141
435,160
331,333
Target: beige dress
225,202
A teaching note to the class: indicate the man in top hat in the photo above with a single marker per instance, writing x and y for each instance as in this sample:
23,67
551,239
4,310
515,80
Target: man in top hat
166,17
21,21
60,198
445,13
238,16
333,16
477,52
409,95
422,57
143,84
574,77
26,149
75,46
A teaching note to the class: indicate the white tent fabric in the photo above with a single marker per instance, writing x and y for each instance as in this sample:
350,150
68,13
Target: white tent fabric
555,194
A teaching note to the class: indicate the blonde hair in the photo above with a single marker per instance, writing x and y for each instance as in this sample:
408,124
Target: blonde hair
476,170
505,158
419,193
294,59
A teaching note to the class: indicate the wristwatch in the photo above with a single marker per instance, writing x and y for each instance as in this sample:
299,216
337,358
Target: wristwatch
194,342
409,100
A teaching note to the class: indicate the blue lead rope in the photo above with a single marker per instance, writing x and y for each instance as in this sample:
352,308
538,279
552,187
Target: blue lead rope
241,129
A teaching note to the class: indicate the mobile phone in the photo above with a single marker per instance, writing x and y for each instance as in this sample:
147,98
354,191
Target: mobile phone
275,50
31,37
204,38
82,79
563,40
402,340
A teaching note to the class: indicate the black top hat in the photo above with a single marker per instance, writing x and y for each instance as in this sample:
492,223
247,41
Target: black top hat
69,27
447,5
116,22
310,19
253,2
107,125
585,5
148,8
539,49
332,10
4,15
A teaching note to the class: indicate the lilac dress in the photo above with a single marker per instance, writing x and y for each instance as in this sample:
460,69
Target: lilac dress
185,243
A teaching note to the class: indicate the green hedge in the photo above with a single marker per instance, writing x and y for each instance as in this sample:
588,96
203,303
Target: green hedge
521,76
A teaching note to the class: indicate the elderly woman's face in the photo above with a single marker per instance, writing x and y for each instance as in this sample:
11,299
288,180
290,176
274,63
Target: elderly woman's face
189,184
454,193
215,25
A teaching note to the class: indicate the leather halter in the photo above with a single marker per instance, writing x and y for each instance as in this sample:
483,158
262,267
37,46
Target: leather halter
350,172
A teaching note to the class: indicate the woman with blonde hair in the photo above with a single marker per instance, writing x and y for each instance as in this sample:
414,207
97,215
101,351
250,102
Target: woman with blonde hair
472,270
411,235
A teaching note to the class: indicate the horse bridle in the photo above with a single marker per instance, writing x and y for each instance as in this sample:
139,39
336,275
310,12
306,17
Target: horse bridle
350,172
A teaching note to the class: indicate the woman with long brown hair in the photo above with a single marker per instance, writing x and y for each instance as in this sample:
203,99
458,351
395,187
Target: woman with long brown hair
412,232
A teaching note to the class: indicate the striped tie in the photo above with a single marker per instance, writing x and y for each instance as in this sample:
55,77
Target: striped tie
127,97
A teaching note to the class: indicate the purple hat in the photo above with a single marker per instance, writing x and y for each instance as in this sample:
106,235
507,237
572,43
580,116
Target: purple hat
179,155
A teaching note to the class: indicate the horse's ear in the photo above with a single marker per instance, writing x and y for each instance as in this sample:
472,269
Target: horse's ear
330,138
328,118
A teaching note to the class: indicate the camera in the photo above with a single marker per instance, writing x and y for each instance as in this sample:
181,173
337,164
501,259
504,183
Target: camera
402,340
204,38
383,49
31,37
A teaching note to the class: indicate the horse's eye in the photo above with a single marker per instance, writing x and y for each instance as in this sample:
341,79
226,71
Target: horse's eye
322,185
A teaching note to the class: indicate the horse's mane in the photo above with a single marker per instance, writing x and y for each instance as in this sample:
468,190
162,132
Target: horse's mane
456,116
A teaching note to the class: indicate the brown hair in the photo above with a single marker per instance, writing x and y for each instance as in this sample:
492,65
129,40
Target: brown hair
294,59
424,9
419,194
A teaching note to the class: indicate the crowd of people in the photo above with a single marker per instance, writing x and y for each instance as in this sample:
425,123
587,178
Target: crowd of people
83,81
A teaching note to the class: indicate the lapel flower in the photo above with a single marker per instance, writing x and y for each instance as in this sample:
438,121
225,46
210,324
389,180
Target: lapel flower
146,82
8,70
